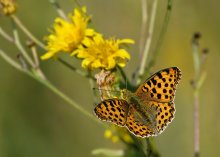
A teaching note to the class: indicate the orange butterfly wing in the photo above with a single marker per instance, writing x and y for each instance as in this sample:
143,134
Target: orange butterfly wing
159,91
112,110
161,86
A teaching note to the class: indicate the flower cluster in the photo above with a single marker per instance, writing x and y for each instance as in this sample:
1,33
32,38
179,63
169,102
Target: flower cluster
76,38
7,7
121,134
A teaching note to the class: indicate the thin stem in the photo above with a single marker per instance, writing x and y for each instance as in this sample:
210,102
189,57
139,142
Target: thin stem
77,3
26,31
82,73
10,61
162,34
148,41
67,99
6,36
22,61
35,56
198,81
126,81
143,25
92,85
50,86
20,47
58,9
151,151
196,124
196,58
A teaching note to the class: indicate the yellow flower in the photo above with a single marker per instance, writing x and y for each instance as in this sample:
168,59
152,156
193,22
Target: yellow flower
108,133
66,36
8,7
101,53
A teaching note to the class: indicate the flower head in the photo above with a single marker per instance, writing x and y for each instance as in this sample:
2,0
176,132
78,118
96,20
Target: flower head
66,36
7,7
101,53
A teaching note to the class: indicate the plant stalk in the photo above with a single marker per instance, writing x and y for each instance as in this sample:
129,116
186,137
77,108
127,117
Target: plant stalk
144,57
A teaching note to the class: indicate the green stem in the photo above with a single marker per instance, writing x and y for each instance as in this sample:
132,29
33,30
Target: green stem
6,36
92,85
58,9
82,73
196,59
162,34
143,25
26,31
50,86
144,57
35,56
10,61
126,81
199,78
151,150
67,99
196,123
20,47
78,4
22,61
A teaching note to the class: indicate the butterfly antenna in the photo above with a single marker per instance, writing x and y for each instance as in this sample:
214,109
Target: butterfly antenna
104,89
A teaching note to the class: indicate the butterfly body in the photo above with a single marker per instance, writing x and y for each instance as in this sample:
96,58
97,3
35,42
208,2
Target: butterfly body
142,107
148,110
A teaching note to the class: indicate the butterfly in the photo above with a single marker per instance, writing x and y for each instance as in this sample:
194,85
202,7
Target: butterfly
148,110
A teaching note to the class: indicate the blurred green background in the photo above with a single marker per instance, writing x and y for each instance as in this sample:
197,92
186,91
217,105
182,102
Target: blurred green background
36,123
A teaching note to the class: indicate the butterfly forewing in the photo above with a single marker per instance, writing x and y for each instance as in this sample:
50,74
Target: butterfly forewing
161,86
113,110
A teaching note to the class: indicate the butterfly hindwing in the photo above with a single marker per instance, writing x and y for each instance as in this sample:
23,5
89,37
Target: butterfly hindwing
164,114
161,86
113,110
136,125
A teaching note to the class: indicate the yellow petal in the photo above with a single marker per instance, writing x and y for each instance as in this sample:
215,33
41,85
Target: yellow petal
122,53
84,9
111,63
122,63
87,42
86,63
47,55
126,41
90,32
96,64
98,39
